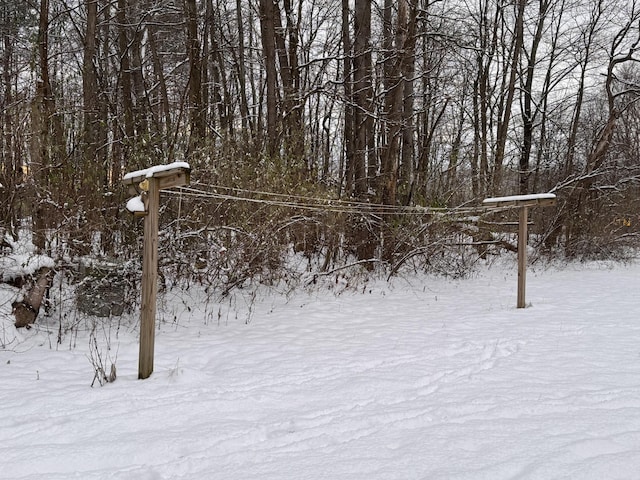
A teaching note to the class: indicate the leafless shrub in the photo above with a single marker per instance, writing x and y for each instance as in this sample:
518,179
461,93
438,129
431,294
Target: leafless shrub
101,361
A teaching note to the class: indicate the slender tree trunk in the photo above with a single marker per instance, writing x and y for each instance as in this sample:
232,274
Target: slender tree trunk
477,135
407,158
10,169
291,110
94,161
363,95
596,15
125,74
503,124
247,124
489,35
47,137
90,90
454,156
139,91
389,115
396,67
220,95
347,48
528,115
267,28
196,107
165,116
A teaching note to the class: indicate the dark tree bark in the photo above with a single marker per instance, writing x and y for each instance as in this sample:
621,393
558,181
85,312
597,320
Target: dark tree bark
93,121
407,155
10,167
219,84
124,79
586,52
503,122
47,140
196,107
290,78
396,117
347,175
267,28
26,311
247,123
363,96
528,111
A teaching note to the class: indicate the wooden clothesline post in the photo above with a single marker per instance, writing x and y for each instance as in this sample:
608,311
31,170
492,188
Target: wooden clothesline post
522,202
150,182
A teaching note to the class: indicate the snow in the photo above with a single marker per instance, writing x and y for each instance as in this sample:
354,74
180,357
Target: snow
419,378
21,261
151,171
135,204
513,198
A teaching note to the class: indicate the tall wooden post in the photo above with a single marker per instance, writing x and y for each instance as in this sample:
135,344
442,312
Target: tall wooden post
522,255
149,281
151,181
522,202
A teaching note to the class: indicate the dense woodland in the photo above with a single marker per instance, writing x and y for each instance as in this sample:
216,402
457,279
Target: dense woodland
336,119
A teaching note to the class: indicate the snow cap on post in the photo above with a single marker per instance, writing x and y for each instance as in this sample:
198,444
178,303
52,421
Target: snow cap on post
171,175
531,200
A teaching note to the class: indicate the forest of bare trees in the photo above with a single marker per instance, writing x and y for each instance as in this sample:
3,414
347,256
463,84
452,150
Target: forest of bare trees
377,105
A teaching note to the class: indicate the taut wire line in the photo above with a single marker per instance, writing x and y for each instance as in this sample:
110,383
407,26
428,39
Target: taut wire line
317,204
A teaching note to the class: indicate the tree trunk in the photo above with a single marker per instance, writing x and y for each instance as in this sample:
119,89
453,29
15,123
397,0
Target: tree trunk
125,76
588,36
10,168
528,114
291,110
347,179
247,124
26,311
363,96
166,126
196,108
215,64
267,28
90,92
407,156
47,139
503,124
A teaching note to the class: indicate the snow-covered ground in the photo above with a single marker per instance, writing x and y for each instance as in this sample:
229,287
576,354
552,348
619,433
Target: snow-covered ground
420,378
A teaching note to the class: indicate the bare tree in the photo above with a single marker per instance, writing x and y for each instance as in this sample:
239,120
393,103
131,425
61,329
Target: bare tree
506,101
399,51
47,131
196,104
363,97
268,31
528,110
13,17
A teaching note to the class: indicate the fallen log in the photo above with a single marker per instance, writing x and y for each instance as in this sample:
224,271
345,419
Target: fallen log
26,311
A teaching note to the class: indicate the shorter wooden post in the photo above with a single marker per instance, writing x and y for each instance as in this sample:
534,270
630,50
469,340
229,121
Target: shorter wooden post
522,255
522,202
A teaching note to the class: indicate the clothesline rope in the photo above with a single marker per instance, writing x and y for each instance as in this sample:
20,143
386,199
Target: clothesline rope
314,203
